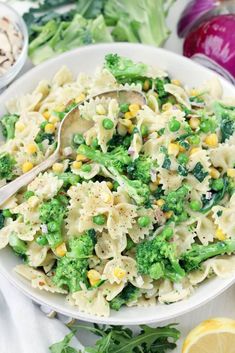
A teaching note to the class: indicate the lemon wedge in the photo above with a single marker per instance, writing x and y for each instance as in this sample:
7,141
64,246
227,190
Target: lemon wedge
211,336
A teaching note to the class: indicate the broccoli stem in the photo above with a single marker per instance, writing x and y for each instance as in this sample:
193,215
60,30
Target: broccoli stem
18,245
193,258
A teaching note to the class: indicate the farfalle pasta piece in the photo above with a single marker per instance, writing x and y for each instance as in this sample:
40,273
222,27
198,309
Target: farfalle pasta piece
63,76
36,254
23,104
225,220
136,232
179,93
173,292
45,186
91,301
103,81
110,291
205,229
223,156
107,247
120,269
120,219
135,146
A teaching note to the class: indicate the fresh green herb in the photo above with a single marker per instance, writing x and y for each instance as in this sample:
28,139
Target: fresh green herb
215,196
2,220
166,163
182,170
199,172
117,339
225,116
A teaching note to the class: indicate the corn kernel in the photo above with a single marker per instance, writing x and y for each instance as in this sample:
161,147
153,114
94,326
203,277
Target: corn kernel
166,106
61,250
176,82
100,109
231,172
57,167
126,122
49,128
60,108
168,214
109,185
81,158
181,148
214,173
146,85
31,148
128,115
194,150
80,98
76,165
134,108
211,140
26,167
219,234
194,123
54,119
46,115
153,186
160,202
19,126
173,149
119,273
94,277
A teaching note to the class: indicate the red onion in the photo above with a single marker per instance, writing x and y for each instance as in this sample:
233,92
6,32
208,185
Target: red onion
213,45
198,10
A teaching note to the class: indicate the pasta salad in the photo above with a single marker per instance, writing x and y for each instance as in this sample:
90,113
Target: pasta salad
140,209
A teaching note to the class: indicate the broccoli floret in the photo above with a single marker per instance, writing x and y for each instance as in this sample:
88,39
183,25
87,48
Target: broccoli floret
192,259
51,214
140,169
18,245
69,178
116,162
117,158
72,269
129,293
175,200
7,163
8,125
157,257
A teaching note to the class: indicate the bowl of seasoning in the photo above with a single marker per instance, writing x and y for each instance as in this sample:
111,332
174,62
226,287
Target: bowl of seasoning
13,44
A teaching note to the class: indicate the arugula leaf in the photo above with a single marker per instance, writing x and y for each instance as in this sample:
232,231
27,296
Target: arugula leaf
117,339
63,346
198,172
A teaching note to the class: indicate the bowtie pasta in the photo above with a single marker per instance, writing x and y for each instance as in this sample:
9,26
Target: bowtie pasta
140,209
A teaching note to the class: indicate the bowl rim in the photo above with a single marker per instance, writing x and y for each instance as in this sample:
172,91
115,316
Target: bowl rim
223,283
16,67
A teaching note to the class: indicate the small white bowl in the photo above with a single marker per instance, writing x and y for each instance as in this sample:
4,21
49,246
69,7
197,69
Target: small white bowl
86,60
8,12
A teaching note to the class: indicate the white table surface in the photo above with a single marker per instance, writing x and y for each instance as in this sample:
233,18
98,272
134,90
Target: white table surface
223,305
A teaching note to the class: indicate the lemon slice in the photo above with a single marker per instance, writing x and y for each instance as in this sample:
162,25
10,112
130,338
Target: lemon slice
211,336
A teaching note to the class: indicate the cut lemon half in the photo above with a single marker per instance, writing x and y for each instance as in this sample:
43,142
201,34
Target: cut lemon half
211,336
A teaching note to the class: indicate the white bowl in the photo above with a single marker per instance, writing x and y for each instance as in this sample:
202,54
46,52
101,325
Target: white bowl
86,60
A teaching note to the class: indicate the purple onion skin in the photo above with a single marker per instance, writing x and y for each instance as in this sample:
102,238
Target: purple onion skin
192,13
214,39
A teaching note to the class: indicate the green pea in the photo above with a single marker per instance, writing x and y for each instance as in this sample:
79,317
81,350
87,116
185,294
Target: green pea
107,124
86,168
124,108
7,213
100,219
174,125
28,194
144,130
115,185
95,143
194,140
167,232
42,240
195,205
217,184
205,126
183,158
143,221
78,139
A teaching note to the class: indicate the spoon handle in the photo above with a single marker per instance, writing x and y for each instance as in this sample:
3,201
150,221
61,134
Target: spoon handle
11,188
